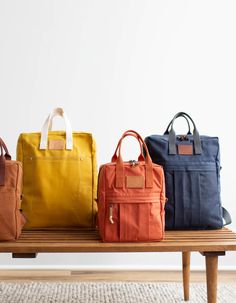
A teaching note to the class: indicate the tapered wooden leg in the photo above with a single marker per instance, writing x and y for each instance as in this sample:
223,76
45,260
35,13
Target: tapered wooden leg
186,273
211,276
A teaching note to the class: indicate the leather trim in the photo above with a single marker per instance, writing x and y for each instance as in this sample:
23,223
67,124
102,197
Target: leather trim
134,182
56,144
185,149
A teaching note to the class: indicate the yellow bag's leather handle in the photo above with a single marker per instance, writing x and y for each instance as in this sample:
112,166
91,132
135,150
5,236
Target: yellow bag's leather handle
48,125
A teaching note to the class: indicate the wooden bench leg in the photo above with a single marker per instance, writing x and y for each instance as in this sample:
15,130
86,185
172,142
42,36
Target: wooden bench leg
211,274
186,273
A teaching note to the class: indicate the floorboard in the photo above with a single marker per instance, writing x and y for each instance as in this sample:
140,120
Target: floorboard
109,275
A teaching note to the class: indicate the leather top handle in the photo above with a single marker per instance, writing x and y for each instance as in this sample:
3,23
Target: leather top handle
3,158
172,135
120,163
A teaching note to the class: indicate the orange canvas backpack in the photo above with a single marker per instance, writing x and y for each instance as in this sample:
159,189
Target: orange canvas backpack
131,198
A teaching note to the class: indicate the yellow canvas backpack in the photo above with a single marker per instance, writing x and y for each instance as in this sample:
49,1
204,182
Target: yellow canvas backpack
59,177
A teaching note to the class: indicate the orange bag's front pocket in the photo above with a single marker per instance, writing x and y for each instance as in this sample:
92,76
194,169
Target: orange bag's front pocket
133,221
140,222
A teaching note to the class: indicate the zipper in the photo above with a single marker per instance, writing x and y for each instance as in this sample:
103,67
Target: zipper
130,199
134,201
111,214
141,163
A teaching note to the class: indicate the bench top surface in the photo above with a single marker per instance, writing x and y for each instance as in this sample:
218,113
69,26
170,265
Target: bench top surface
87,240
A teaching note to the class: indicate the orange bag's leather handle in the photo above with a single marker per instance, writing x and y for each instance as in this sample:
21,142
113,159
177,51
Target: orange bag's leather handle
120,163
2,161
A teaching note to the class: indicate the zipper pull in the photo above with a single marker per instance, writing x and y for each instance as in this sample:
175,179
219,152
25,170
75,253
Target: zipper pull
183,138
133,162
110,214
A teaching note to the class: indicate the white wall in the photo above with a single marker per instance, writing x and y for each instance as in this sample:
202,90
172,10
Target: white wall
116,65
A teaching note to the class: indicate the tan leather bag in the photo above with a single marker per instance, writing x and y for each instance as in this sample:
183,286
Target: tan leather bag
11,218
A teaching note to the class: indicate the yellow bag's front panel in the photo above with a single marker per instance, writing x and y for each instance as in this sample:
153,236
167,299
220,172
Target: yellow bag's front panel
59,185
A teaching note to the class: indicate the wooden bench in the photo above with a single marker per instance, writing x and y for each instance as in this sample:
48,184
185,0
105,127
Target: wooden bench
211,244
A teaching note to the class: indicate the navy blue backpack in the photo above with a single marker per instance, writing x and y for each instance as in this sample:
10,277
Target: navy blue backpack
192,173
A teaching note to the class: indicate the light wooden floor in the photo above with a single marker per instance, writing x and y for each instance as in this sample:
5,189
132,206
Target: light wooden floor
76,276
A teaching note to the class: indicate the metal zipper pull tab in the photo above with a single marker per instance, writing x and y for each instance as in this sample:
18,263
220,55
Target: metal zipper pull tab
110,214
183,138
133,162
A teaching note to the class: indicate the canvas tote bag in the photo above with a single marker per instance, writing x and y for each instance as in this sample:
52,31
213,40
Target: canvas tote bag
60,176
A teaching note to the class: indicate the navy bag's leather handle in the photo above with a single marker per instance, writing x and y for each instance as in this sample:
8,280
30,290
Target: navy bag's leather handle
172,136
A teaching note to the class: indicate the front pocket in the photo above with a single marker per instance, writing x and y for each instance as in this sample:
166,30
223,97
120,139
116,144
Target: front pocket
140,222
193,199
64,201
134,221
210,213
